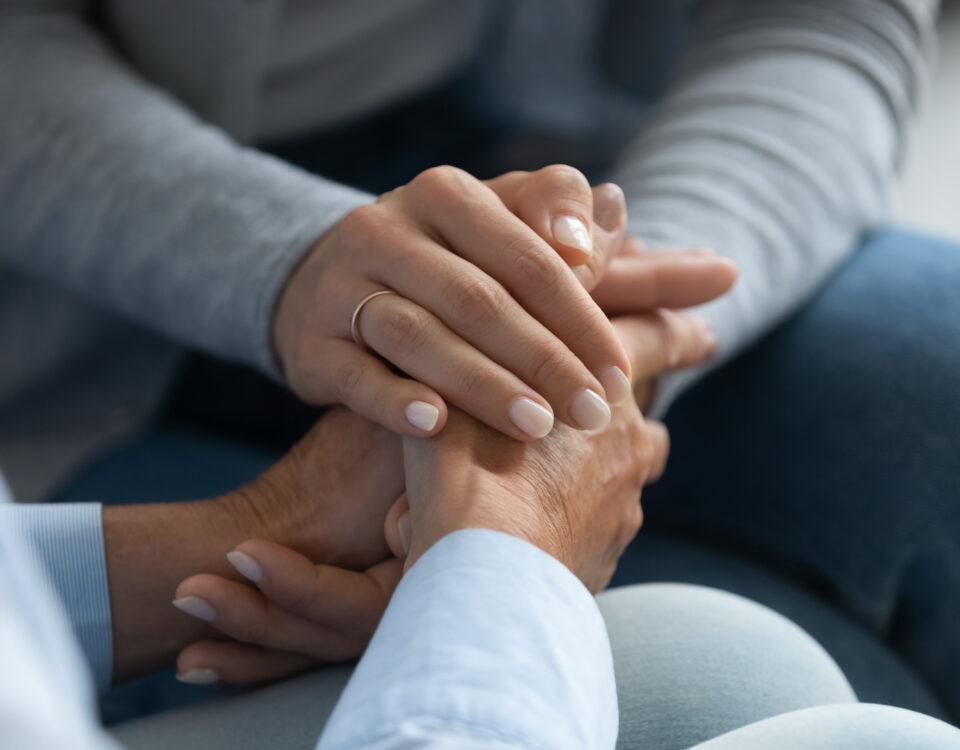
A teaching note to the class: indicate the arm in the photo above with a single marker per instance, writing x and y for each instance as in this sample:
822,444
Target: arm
488,642
111,187
777,145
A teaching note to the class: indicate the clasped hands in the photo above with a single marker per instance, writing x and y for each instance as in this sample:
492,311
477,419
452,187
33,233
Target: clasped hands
520,290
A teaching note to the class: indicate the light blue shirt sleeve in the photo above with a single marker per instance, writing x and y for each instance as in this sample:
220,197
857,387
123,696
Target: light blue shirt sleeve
67,539
488,642
46,701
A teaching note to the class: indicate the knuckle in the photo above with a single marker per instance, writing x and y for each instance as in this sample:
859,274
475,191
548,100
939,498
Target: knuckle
362,224
538,266
478,299
404,328
443,181
347,380
569,180
475,383
552,362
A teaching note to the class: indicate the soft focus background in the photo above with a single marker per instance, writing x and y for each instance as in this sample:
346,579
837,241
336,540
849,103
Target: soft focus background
930,198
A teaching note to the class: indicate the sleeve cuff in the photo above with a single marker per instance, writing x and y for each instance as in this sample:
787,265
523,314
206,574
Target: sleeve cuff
68,540
486,637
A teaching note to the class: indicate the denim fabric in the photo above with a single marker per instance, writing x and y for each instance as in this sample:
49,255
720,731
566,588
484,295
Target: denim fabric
830,452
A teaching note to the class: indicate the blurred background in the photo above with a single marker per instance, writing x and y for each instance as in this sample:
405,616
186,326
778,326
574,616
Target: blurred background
930,197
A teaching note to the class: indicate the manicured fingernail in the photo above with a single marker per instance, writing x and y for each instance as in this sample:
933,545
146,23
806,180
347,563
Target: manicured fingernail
530,417
422,415
570,231
196,607
609,206
616,385
589,410
199,676
246,565
405,529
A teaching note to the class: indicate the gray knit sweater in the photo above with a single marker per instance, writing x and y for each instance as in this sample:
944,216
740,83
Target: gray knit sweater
136,219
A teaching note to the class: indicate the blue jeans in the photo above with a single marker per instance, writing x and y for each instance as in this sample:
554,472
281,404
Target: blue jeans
830,452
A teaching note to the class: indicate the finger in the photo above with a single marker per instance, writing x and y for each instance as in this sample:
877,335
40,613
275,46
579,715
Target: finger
555,202
206,662
246,615
544,198
482,232
609,224
477,310
418,343
659,439
367,386
342,599
664,340
397,533
672,279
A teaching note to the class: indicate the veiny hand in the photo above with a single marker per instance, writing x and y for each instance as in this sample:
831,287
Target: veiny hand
487,314
574,494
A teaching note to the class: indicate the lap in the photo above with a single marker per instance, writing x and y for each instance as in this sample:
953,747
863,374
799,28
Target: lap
691,663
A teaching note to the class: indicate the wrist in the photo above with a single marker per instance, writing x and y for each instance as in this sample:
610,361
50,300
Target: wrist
479,500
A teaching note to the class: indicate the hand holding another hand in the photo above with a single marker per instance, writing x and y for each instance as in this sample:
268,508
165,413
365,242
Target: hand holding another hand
491,311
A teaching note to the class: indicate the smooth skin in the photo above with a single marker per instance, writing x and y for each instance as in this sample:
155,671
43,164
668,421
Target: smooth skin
492,312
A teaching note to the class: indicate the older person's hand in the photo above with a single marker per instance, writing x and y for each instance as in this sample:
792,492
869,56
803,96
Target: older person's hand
574,494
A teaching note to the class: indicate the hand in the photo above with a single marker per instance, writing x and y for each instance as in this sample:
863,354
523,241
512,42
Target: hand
640,291
313,500
574,494
487,315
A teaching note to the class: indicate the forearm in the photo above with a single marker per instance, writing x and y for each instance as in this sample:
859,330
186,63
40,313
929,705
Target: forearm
777,145
111,187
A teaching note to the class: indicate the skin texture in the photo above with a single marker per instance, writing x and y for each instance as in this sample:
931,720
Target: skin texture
574,494
490,306
315,506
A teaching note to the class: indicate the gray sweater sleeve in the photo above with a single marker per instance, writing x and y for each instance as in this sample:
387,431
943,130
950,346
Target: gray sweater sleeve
112,188
777,145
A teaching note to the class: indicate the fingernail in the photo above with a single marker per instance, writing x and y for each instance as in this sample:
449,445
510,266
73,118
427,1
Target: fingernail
405,529
246,565
589,410
199,676
196,607
609,206
707,252
616,385
530,417
570,231
422,415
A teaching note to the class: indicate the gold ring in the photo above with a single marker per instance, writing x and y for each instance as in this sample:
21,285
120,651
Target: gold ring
355,318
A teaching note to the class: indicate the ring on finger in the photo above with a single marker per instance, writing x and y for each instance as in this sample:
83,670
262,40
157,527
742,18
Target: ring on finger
355,318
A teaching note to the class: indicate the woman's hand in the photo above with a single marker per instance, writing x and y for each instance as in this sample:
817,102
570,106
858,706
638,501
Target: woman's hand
487,315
